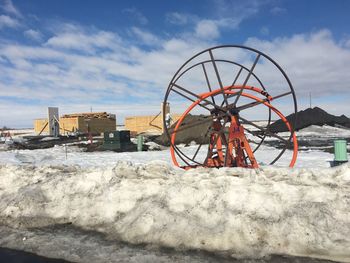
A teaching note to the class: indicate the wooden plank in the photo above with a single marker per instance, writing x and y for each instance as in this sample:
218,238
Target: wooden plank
88,114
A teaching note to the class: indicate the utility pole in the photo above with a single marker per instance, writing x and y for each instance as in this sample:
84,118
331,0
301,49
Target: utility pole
310,99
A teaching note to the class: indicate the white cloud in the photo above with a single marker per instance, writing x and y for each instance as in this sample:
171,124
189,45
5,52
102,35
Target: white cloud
264,30
314,62
228,15
75,39
79,67
278,10
136,14
346,41
232,13
113,70
56,74
145,37
207,29
6,21
8,7
33,34
178,18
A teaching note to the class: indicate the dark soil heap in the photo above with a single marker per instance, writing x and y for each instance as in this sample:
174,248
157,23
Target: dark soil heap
194,128
311,116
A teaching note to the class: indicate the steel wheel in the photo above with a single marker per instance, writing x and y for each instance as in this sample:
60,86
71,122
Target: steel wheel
220,86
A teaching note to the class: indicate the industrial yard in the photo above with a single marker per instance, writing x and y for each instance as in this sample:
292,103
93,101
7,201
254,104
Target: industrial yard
185,131
92,180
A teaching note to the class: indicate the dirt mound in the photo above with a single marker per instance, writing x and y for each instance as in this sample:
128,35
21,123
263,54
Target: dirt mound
311,116
193,128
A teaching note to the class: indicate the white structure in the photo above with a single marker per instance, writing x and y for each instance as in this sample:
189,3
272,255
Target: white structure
53,117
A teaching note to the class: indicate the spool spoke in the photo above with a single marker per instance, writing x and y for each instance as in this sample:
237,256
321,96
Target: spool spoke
233,83
190,125
207,119
218,76
247,78
220,132
198,97
262,138
199,104
207,80
237,76
225,102
191,93
252,104
195,154
264,130
253,133
200,145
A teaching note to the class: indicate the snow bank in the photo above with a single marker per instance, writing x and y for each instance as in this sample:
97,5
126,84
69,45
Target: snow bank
239,212
75,156
321,132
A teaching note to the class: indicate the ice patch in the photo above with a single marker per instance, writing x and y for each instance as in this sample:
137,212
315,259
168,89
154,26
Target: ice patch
238,212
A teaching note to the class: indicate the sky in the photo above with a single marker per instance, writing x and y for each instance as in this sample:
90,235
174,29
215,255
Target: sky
119,56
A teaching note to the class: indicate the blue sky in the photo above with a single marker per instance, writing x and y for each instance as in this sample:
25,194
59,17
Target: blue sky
119,56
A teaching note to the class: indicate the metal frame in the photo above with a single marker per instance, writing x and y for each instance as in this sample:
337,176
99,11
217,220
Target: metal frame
210,103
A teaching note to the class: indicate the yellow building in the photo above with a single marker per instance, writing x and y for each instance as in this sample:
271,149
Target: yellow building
149,123
97,122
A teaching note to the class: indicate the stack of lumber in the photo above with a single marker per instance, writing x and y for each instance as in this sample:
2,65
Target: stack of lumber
89,115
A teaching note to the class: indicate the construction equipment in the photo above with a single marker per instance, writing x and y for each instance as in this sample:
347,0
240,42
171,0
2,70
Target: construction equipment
117,141
230,86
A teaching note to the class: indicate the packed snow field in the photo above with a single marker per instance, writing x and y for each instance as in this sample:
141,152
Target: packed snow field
117,207
238,212
75,156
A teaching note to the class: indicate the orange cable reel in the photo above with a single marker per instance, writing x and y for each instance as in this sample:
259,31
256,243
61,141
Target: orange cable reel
226,141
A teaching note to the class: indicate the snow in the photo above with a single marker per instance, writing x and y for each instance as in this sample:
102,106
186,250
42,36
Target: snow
20,131
323,132
49,139
141,198
75,156
239,212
